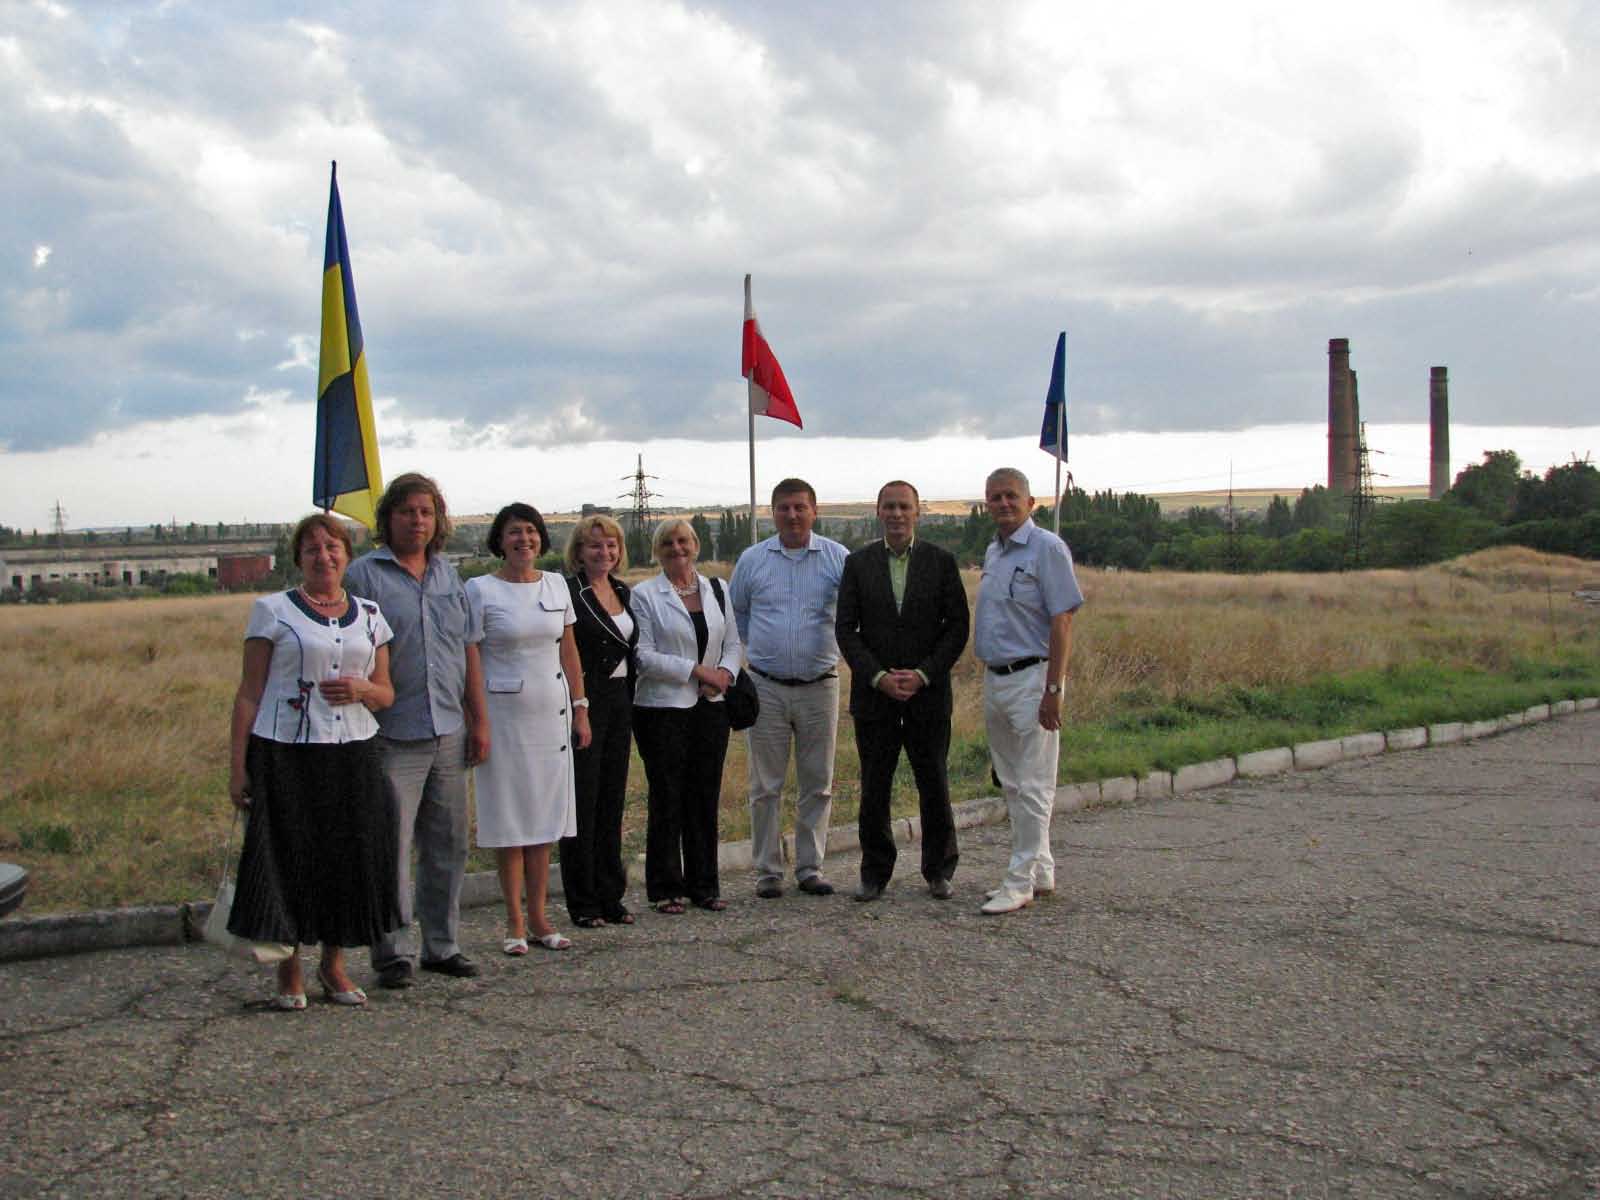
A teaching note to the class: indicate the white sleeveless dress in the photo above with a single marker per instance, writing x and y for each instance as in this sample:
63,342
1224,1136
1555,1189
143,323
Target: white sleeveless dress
525,790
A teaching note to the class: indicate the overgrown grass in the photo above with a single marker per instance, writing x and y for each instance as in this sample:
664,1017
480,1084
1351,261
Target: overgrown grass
113,718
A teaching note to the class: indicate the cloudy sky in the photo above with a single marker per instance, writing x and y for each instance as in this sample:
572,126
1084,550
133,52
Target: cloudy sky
550,208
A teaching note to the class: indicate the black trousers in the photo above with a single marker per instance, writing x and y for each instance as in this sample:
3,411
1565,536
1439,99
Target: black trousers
592,874
683,750
926,741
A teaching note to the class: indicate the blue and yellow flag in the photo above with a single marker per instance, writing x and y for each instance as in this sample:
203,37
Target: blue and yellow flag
346,477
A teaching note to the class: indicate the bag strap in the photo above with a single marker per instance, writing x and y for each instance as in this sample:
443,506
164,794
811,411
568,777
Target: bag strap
716,589
227,846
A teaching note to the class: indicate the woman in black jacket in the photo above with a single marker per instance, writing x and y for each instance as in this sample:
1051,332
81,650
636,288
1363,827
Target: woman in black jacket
592,874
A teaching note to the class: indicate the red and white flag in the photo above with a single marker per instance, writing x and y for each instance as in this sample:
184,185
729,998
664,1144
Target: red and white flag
769,390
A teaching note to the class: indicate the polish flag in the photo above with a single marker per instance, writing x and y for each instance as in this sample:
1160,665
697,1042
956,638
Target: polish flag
769,390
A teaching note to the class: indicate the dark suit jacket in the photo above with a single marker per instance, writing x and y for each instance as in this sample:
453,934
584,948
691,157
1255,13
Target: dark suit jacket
601,645
927,633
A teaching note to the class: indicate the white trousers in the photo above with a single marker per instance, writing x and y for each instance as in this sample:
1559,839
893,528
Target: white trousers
806,717
1025,756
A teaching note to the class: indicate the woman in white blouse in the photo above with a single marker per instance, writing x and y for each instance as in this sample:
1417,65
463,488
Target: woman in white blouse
688,655
318,863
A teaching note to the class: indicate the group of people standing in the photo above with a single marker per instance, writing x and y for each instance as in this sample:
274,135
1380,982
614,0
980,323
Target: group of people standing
371,689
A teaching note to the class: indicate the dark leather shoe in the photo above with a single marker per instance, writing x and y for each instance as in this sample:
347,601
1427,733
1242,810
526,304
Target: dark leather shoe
940,889
395,975
769,890
816,885
457,966
867,892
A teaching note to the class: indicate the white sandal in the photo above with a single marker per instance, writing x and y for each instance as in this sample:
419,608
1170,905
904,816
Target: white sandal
515,946
554,941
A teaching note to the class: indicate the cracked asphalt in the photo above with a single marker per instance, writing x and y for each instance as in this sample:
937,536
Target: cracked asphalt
1380,979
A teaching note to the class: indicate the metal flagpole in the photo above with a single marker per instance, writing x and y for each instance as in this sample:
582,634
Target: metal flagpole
1058,476
750,415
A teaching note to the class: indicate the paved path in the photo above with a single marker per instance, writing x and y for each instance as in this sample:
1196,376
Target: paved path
1381,979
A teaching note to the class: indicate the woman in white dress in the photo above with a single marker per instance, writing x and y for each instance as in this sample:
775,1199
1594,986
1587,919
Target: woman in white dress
537,715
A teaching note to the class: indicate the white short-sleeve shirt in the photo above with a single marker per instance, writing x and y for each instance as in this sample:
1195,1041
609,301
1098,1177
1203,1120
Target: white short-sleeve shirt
306,648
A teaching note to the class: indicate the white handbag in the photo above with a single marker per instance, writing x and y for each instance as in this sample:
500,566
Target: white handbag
216,930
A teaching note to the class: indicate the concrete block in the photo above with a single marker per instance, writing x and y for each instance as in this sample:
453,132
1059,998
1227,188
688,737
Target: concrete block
1155,785
841,838
70,933
1406,739
1362,745
1478,729
733,856
1509,721
1588,702
1123,789
1308,756
1075,797
480,888
985,810
1562,707
1198,776
1265,762
1536,713
1446,732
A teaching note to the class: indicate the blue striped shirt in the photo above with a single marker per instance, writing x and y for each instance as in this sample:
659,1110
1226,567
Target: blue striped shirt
784,602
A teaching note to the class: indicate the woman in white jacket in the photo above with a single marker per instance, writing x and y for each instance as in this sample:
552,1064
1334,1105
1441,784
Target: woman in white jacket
688,655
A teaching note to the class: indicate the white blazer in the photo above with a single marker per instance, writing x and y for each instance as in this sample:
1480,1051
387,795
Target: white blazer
666,651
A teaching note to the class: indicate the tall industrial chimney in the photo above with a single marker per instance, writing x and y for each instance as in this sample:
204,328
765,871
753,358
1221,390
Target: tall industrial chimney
1438,432
1341,419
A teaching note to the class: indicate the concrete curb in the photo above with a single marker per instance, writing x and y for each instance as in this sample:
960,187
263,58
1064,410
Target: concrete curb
176,924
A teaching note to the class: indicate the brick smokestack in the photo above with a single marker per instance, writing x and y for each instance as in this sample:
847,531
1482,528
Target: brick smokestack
1438,432
1341,419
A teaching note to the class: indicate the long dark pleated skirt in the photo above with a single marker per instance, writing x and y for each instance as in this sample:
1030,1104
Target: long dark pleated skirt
320,851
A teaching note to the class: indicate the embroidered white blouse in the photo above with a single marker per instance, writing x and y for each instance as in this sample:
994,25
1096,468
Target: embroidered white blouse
307,647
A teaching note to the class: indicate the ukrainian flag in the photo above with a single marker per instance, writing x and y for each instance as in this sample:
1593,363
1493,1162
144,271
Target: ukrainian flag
346,477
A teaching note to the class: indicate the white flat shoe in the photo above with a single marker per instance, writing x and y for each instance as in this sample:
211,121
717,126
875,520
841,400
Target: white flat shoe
1004,902
515,946
289,1001
1039,893
554,941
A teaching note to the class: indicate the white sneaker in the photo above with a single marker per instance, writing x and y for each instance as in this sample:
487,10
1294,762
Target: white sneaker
1004,901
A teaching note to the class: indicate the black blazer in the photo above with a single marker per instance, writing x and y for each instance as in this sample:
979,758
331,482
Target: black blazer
928,632
601,645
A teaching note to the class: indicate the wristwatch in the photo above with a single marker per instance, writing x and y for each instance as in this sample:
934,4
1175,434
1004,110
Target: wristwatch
1052,689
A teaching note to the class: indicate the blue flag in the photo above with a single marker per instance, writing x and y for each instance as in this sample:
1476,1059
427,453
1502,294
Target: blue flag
1055,404
345,476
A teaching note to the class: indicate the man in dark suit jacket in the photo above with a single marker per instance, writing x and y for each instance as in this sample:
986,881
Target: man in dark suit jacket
902,623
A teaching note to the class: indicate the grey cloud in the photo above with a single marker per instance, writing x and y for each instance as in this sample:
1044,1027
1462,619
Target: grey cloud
531,255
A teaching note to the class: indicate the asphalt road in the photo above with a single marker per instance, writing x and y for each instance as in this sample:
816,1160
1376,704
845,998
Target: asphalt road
1380,979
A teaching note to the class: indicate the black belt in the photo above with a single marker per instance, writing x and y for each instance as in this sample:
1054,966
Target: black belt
1011,668
799,682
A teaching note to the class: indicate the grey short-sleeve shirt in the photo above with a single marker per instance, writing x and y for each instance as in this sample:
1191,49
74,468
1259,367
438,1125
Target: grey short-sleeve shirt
428,656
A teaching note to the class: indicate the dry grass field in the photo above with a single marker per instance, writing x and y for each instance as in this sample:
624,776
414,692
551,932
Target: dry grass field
113,717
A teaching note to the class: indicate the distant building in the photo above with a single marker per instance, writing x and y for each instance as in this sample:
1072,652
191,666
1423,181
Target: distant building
132,566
